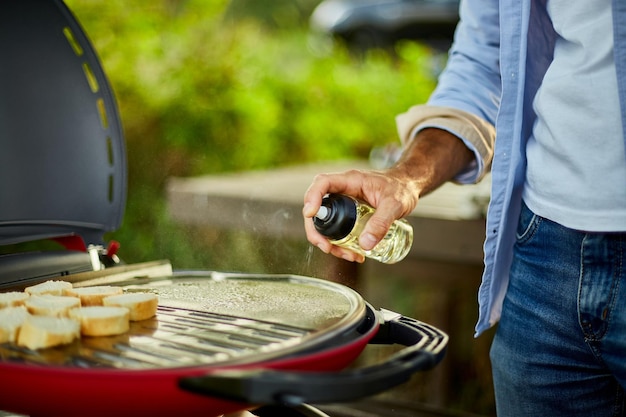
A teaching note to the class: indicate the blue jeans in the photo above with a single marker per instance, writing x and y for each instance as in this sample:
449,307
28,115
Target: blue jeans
560,346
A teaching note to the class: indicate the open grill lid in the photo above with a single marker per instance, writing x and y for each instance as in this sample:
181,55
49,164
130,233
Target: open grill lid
62,157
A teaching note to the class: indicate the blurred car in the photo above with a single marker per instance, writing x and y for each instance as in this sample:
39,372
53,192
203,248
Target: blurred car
379,23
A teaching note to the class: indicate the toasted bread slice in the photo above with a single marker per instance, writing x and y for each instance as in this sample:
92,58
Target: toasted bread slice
101,321
141,306
49,287
51,305
40,332
11,321
92,296
12,299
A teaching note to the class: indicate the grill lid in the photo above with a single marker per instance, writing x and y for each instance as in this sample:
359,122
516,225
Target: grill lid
62,156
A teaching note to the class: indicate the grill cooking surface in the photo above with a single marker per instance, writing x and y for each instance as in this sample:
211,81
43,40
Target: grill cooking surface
214,319
176,337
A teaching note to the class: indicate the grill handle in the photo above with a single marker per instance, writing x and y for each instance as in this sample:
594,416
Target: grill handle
425,347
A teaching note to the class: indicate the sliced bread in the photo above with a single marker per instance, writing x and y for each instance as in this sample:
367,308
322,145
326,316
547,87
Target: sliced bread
40,332
12,299
51,305
11,320
141,306
92,296
49,287
101,321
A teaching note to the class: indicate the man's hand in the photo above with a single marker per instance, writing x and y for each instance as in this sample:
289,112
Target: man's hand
432,158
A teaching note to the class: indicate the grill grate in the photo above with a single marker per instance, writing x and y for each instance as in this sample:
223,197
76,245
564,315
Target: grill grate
175,337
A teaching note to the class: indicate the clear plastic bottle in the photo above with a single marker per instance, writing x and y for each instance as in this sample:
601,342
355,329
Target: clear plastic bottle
341,219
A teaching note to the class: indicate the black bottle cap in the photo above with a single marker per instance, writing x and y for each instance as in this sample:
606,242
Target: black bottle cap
337,217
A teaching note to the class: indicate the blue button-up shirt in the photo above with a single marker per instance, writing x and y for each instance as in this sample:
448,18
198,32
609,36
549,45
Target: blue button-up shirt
500,55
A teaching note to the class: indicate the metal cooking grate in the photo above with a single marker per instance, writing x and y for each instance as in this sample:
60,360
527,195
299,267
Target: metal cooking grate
175,337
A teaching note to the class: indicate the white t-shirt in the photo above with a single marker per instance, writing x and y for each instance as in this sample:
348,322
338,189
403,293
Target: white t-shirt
576,158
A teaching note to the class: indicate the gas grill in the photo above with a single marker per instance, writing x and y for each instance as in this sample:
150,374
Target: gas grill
220,342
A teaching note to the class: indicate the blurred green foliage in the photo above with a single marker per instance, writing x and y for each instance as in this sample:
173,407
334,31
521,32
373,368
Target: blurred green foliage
213,86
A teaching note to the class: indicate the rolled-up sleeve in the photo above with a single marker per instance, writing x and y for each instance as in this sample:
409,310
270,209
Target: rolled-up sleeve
477,134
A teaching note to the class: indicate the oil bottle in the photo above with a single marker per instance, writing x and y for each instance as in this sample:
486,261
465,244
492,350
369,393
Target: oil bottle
341,219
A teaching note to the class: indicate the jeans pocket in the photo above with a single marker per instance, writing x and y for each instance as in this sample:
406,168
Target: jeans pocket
528,224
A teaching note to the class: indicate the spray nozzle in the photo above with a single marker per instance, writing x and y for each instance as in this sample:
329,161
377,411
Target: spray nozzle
323,213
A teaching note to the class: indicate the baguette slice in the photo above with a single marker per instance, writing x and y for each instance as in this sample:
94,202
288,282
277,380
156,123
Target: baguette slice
49,287
11,321
51,305
92,296
12,299
101,321
141,306
39,332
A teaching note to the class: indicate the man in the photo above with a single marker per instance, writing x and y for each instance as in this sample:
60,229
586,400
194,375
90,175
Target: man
545,80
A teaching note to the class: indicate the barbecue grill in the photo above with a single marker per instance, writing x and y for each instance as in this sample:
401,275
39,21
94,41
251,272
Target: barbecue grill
220,341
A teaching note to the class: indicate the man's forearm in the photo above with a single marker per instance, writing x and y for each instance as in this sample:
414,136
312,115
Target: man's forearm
433,157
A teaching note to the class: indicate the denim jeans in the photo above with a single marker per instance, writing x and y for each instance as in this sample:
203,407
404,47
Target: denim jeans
560,346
